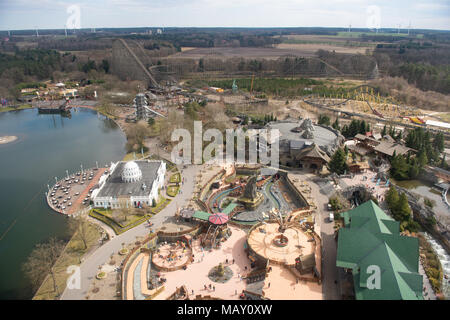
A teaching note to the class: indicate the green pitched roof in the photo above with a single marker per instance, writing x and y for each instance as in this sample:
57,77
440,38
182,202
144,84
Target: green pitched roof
201,215
229,208
372,238
372,217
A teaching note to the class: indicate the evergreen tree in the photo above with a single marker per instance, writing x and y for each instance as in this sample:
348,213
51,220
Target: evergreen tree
403,210
383,133
392,197
338,162
438,142
336,124
362,127
422,158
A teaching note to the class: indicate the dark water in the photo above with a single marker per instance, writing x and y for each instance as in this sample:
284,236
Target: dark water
48,145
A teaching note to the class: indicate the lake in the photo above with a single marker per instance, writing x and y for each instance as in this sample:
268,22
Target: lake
46,147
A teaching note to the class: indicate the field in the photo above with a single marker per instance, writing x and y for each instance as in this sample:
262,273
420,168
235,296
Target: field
309,49
245,52
358,34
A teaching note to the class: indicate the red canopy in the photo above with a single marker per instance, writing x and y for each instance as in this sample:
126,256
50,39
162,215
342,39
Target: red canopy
218,218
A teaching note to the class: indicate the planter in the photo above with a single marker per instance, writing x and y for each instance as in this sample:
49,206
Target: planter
101,275
123,251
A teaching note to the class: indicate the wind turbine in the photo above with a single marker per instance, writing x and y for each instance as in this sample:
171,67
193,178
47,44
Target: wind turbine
409,27
398,30
37,33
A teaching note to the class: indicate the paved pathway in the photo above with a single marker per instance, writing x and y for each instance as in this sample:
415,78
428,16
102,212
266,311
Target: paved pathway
329,269
89,266
329,245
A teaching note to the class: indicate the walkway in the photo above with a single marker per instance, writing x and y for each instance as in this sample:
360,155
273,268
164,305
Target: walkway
329,244
196,274
101,256
284,286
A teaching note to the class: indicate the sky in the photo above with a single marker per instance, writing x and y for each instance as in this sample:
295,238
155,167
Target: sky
56,14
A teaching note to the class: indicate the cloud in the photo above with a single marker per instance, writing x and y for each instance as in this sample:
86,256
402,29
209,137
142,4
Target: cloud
20,14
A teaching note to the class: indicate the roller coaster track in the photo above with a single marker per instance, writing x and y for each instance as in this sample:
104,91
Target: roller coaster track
329,65
332,108
139,62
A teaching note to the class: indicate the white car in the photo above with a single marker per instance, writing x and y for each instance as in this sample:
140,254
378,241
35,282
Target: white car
331,217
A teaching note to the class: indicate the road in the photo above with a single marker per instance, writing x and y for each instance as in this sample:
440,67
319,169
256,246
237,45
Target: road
329,245
89,266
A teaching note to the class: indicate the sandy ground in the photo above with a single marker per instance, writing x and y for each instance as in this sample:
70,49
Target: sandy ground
309,49
196,275
262,243
7,139
283,286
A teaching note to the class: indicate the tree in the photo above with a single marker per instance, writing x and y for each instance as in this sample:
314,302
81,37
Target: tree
201,65
40,262
399,167
80,229
414,171
438,142
151,121
338,162
336,124
384,132
392,197
324,120
403,211
105,66
422,158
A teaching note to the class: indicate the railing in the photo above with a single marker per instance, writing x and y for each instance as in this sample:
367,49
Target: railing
81,212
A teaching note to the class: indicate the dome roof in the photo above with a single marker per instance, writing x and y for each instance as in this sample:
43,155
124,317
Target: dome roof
131,172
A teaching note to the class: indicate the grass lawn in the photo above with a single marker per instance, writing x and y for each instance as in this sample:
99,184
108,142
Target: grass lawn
175,178
70,256
172,190
106,113
106,216
155,129
130,156
130,219
445,117
22,107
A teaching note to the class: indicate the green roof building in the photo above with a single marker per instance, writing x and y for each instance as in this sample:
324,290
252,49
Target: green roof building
383,263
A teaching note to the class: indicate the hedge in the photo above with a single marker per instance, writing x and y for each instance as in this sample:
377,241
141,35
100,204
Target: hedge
117,227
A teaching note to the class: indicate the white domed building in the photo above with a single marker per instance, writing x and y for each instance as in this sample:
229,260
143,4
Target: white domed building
132,183
131,172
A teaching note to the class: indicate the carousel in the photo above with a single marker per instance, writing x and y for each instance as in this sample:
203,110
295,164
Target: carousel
217,230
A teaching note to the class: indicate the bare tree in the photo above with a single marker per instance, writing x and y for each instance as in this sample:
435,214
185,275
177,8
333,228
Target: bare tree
80,229
41,261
